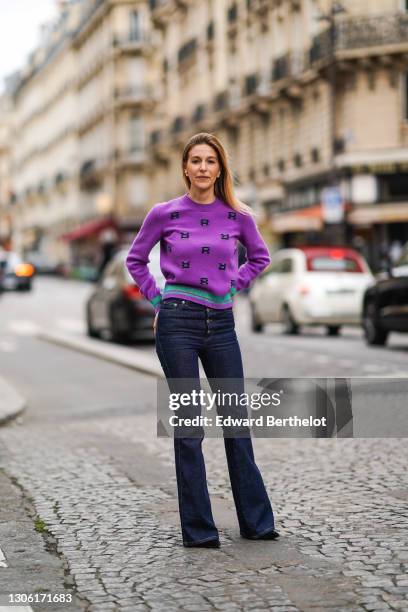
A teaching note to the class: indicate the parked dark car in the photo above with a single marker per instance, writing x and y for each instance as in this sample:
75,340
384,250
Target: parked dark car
16,274
385,304
116,306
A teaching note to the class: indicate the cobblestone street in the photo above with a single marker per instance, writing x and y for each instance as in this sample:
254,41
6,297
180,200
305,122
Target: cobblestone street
341,507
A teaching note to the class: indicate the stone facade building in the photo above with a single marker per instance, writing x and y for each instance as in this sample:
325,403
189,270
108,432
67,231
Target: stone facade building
304,95
299,104
79,160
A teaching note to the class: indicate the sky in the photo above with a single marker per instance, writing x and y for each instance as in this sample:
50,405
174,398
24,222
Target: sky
20,22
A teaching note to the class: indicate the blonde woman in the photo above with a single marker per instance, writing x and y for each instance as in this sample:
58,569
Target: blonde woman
198,234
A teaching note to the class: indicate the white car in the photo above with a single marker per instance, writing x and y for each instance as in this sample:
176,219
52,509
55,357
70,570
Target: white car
311,286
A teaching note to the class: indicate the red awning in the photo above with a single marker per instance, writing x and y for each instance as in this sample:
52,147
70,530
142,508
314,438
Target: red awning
88,229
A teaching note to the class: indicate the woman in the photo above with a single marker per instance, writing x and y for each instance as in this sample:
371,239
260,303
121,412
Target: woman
198,235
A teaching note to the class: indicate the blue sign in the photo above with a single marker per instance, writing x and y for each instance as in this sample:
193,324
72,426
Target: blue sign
332,205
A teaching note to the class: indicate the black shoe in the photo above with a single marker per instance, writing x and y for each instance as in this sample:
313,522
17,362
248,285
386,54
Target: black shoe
207,544
270,535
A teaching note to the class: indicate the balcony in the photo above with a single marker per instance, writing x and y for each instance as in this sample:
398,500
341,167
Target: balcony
134,157
133,42
365,35
372,31
133,95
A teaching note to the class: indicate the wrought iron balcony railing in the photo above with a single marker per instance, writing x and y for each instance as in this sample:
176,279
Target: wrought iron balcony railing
372,31
363,32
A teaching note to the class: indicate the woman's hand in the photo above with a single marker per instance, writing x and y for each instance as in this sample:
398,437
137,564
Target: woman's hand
155,323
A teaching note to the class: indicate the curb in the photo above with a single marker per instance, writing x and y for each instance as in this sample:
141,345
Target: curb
128,357
11,403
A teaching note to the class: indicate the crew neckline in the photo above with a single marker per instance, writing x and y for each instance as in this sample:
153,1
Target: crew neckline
186,195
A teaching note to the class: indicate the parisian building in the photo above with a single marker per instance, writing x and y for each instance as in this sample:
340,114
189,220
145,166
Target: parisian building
306,95
5,172
79,155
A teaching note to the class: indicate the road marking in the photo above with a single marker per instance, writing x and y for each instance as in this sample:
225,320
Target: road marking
23,327
2,559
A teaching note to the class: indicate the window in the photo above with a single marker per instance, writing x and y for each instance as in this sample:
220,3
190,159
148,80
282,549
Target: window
135,29
136,134
334,260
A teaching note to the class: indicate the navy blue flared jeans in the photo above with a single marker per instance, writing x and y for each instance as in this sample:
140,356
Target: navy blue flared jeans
186,332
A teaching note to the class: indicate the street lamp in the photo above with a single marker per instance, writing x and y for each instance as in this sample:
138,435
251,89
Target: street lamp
330,17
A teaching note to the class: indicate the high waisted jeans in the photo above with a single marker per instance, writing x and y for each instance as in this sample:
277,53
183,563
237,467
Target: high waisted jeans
185,332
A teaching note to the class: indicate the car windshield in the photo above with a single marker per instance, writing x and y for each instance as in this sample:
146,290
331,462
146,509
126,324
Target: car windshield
333,261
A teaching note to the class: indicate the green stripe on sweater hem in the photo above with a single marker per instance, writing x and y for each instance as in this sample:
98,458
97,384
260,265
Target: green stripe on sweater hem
206,295
156,300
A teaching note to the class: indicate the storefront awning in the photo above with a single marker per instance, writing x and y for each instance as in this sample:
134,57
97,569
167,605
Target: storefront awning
379,213
88,229
304,220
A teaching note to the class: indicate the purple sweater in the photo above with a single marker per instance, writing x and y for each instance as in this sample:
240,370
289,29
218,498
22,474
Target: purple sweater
198,252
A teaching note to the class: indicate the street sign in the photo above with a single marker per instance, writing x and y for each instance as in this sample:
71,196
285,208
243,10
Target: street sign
332,205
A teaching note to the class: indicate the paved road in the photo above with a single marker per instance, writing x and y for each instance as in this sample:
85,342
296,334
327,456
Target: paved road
57,304
85,463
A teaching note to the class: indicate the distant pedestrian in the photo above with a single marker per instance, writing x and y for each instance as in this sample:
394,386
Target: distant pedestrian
199,233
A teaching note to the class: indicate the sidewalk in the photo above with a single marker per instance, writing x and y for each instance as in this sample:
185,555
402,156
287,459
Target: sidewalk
11,402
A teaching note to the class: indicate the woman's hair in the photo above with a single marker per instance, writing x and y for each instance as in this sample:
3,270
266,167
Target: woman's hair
224,185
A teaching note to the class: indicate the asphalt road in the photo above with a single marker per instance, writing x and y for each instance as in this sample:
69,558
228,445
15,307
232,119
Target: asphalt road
59,305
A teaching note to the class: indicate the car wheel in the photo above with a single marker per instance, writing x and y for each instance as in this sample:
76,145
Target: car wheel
373,333
333,330
91,331
255,325
289,324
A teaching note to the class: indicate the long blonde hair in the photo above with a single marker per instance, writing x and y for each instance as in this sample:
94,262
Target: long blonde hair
224,185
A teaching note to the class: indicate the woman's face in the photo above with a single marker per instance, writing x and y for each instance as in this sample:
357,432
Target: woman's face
202,167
